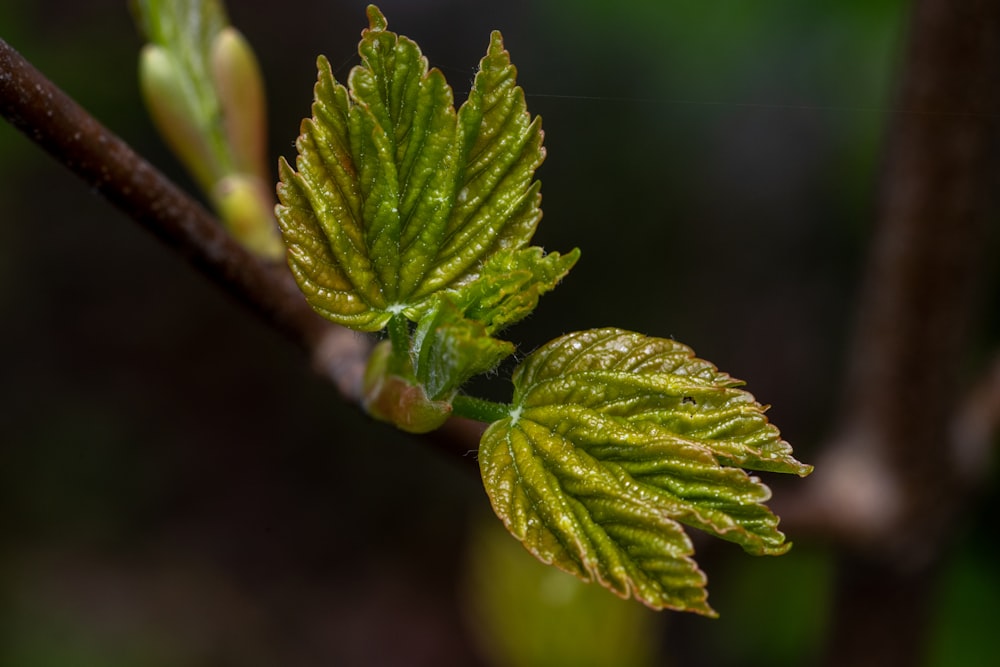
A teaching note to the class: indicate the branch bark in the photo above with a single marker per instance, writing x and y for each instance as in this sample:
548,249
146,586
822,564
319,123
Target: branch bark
50,118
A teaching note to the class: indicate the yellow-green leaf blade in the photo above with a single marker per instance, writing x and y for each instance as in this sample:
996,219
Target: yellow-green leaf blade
571,512
412,197
679,476
613,440
311,258
499,148
658,384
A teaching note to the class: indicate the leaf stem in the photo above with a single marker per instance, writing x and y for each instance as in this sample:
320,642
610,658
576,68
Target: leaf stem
399,336
479,409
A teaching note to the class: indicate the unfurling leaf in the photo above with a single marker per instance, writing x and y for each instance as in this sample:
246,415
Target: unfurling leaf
449,348
453,340
614,439
396,197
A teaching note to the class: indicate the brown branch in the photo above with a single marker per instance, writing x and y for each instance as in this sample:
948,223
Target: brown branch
50,118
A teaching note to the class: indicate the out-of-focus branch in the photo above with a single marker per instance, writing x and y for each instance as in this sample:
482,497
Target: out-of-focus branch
892,480
889,487
975,427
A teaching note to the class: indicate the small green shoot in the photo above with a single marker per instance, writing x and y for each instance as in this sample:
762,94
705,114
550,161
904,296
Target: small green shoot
403,214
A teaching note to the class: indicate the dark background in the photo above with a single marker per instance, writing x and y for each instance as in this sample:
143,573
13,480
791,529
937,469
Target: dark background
177,487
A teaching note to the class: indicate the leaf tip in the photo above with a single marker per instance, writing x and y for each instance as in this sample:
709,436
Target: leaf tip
496,43
376,19
497,56
285,171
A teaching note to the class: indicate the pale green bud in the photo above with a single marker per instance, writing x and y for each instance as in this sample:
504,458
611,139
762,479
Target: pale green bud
239,86
396,400
173,111
247,208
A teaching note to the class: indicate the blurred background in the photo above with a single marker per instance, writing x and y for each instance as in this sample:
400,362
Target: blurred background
177,488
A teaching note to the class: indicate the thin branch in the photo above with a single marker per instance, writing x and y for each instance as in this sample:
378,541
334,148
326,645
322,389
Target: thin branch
50,118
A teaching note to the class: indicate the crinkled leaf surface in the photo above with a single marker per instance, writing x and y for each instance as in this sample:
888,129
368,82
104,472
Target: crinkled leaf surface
614,440
395,196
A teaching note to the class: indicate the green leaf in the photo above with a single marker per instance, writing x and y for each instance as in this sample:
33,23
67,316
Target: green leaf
656,386
395,196
453,340
614,440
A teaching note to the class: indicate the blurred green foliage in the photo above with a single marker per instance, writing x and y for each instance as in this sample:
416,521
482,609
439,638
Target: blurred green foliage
527,614
968,605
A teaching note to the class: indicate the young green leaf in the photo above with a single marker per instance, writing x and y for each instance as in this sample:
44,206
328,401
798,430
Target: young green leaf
613,440
395,196
449,348
453,340
659,387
